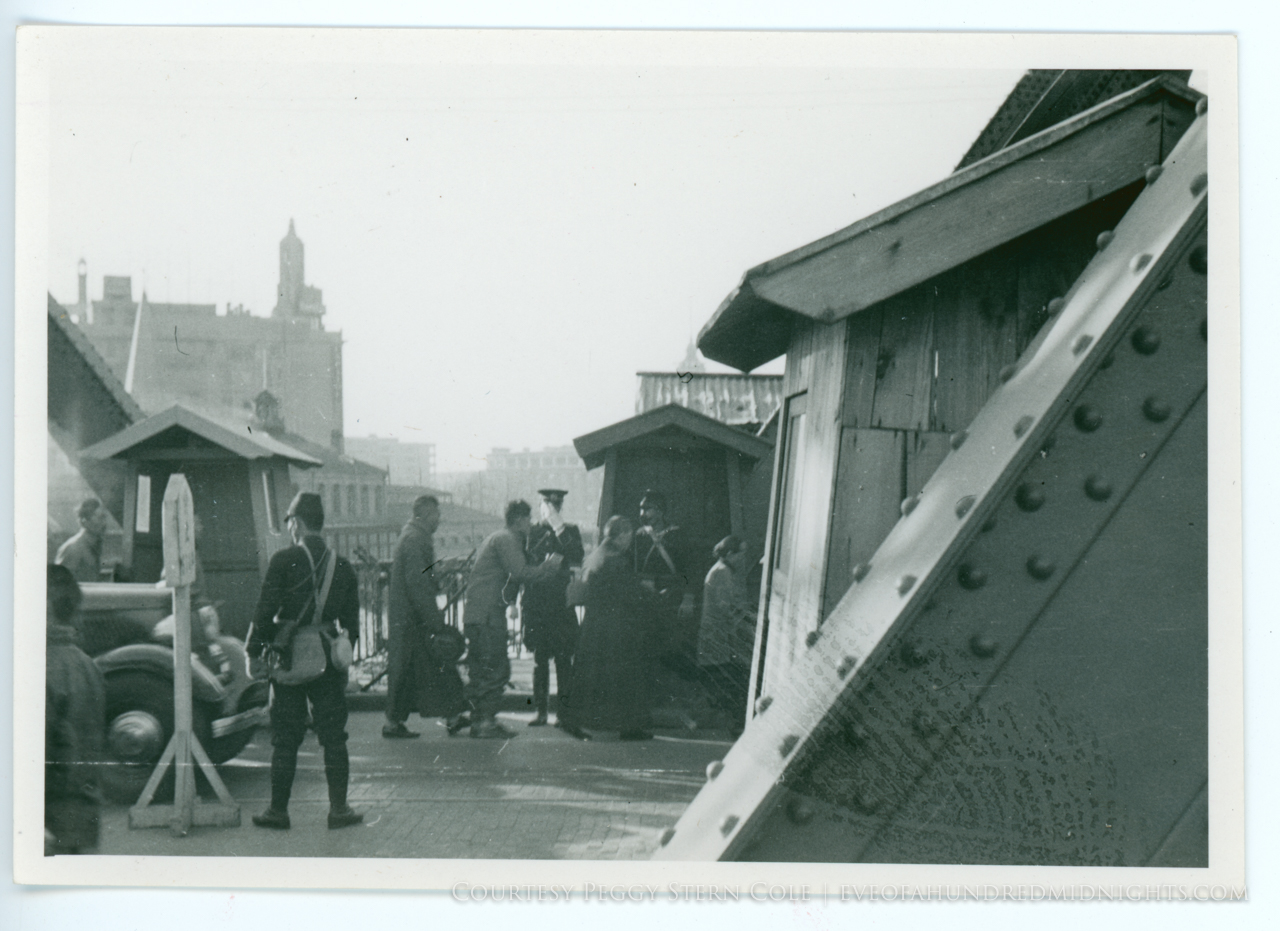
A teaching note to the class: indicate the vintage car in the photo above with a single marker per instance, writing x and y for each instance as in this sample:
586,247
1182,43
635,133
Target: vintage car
128,629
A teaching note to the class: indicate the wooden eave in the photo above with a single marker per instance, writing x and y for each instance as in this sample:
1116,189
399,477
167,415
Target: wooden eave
593,447
129,440
991,202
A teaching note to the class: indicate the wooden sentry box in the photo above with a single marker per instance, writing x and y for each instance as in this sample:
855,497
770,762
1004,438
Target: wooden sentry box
897,329
240,487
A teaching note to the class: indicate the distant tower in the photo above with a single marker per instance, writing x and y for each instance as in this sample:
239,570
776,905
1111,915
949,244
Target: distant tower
291,275
692,361
295,298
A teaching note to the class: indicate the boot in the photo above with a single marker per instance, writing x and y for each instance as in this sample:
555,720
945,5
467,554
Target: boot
271,818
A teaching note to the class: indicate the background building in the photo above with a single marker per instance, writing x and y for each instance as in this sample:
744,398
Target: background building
216,363
405,463
511,475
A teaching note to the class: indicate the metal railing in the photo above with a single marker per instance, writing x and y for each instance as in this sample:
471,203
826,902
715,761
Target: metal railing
374,577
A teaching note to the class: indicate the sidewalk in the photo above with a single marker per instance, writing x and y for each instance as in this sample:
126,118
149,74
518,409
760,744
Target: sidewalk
540,795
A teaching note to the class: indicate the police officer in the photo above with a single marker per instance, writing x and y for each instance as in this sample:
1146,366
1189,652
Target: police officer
550,625
289,594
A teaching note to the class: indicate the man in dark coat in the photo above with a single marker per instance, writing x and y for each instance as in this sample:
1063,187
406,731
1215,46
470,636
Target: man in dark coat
415,681
550,625
82,554
499,562
75,708
295,577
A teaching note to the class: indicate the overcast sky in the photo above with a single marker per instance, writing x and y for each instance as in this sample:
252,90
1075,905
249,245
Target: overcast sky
503,239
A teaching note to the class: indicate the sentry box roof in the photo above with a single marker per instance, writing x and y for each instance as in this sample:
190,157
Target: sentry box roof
178,433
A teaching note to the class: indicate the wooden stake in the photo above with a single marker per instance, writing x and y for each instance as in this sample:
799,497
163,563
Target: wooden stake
179,571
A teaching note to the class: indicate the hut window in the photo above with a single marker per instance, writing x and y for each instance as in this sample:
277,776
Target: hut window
142,522
269,501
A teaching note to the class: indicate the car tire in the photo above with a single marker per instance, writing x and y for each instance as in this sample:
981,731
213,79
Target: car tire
139,726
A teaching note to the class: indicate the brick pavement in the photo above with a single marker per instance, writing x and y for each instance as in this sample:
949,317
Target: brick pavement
541,795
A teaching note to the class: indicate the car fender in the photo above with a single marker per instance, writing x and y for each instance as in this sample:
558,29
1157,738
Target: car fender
158,660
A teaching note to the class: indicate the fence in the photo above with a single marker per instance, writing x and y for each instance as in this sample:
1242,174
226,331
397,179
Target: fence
374,576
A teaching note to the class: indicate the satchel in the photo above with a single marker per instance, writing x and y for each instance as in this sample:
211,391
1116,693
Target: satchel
307,658
305,645
445,645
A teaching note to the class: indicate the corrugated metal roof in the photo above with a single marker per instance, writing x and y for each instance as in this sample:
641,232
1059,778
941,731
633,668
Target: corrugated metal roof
729,398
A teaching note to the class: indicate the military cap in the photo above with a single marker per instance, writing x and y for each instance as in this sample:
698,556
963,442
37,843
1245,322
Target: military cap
553,494
654,499
308,506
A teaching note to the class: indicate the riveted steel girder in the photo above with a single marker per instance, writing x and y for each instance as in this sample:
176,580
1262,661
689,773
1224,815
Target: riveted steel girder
1019,675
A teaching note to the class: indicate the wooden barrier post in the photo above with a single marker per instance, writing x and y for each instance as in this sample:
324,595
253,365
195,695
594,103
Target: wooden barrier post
180,572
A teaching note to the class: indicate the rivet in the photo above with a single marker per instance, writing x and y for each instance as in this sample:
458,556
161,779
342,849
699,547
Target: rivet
1155,410
913,655
763,703
1088,418
1023,425
1154,172
666,836
1202,106
906,583
811,638
1082,343
909,504
1007,372
982,645
989,524
728,824
860,571
1055,305
964,505
1097,488
1145,340
957,439
1199,260
1139,262
788,744
1104,239
1164,284
1029,497
1040,568
799,811
923,724
846,666
1109,361
1199,183
971,577
714,768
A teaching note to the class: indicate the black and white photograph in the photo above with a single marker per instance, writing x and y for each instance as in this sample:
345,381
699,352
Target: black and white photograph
751,462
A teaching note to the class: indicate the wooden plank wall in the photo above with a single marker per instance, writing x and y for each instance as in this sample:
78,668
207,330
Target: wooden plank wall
920,365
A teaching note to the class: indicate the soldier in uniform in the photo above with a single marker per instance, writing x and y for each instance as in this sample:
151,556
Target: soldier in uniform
550,625
663,564
289,593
